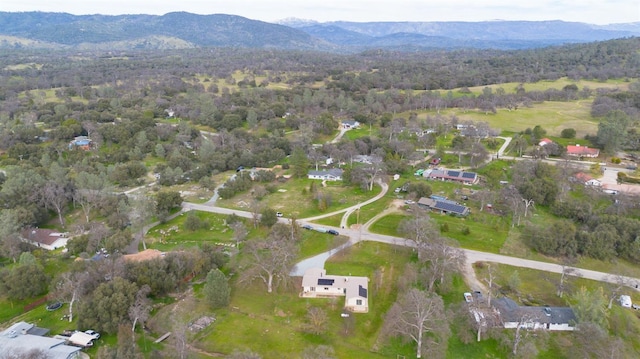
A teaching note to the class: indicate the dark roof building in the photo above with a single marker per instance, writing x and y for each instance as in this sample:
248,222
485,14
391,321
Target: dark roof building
444,206
44,238
334,174
452,175
550,318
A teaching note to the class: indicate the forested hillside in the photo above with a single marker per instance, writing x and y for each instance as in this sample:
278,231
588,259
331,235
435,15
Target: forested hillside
119,151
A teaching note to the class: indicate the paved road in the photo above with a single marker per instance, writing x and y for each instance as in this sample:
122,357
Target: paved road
362,234
472,257
507,141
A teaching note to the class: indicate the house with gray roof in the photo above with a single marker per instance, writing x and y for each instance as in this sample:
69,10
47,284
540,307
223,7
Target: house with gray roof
452,175
23,337
513,315
317,284
334,174
443,206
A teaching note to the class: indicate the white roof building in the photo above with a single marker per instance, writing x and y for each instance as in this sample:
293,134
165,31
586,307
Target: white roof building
317,284
18,339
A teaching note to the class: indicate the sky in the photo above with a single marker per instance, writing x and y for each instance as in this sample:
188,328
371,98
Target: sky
599,12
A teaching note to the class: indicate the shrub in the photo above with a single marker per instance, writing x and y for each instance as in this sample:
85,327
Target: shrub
568,133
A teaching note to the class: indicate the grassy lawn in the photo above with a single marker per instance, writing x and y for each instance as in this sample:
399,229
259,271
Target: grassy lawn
330,221
552,116
315,243
172,235
272,325
294,198
10,309
388,224
510,87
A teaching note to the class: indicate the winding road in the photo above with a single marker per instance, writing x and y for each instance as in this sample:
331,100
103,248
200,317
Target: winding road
363,234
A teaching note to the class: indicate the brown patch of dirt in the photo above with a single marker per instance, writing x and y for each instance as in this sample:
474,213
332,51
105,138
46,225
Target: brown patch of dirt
144,255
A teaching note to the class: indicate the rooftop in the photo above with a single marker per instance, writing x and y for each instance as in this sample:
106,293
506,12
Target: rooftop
17,338
512,312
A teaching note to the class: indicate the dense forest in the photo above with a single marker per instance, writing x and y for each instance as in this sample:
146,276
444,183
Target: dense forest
176,117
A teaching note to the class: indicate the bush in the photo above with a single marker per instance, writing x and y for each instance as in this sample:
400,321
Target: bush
192,222
568,133
216,289
616,160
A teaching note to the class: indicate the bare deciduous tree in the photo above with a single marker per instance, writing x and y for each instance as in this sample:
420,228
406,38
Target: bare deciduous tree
239,232
432,249
526,322
419,316
615,288
271,261
567,271
140,309
491,273
316,321
70,287
54,196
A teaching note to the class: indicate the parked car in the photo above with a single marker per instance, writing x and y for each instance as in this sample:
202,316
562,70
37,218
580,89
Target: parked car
92,333
53,306
333,231
279,214
635,306
468,297
308,227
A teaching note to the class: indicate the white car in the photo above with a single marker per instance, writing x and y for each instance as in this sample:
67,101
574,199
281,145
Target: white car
92,333
279,214
468,297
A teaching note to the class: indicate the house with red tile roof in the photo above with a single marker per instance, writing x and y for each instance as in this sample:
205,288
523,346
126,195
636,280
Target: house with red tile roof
587,180
545,141
582,151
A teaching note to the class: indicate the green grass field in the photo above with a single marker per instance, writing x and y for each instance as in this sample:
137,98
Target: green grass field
552,116
294,198
172,235
272,326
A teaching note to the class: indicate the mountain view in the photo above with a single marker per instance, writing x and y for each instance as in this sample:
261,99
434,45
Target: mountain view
185,30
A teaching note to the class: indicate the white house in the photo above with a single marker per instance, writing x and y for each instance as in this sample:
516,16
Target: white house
550,318
350,124
334,174
587,180
317,284
44,238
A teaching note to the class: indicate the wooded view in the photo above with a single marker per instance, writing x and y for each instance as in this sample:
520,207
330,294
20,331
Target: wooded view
182,182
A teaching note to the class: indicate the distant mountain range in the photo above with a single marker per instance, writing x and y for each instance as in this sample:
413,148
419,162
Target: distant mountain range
186,30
